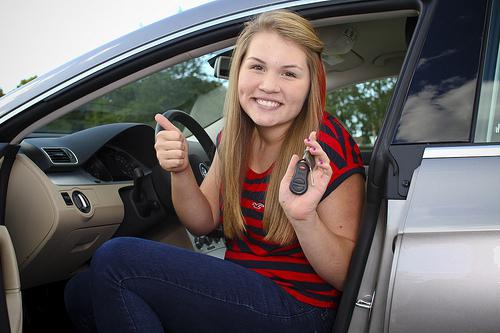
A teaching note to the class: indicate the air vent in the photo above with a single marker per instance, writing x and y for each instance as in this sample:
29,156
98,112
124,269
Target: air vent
60,155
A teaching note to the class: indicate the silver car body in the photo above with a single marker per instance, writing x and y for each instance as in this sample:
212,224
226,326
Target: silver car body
434,262
446,266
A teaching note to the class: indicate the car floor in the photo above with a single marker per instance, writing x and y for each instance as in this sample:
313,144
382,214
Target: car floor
44,311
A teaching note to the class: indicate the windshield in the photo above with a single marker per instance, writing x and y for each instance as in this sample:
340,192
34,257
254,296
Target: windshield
189,86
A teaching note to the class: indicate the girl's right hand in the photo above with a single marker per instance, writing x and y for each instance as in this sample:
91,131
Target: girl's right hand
171,147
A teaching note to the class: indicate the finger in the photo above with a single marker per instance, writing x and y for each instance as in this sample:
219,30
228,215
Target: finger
165,123
324,166
315,149
319,154
169,135
170,158
164,144
171,165
170,154
311,140
312,136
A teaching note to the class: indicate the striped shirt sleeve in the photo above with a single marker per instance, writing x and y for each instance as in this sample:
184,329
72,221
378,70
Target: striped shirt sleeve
218,140
342,150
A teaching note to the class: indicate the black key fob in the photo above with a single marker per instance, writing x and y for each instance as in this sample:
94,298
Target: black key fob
298,185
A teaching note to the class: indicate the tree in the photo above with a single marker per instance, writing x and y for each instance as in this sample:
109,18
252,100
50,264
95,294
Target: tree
176,87
24,81
362,107
21,83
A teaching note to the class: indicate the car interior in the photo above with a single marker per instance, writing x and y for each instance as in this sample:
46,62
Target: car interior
87,171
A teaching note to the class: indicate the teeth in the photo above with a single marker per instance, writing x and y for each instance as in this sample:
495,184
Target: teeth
267,103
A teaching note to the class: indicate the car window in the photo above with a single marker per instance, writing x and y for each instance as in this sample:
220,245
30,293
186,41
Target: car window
488,120
439,105
361,108
189,86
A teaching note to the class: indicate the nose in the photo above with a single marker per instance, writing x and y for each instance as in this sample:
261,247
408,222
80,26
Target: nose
269,83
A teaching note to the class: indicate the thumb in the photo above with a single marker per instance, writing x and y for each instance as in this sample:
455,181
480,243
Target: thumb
165,123
287,178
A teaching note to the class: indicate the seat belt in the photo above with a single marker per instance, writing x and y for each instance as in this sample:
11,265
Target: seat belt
9,153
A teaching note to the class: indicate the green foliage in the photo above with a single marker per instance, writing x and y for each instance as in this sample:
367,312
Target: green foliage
21,83
362,107
176,87
24,81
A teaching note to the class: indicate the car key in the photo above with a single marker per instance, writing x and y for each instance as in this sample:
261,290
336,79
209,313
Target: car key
299,183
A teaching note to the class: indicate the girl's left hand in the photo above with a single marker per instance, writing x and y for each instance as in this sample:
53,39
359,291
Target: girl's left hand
303,207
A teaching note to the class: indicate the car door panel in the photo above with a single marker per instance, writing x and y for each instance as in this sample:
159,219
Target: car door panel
446,266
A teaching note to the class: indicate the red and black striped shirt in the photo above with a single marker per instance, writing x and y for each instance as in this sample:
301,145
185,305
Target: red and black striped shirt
287,265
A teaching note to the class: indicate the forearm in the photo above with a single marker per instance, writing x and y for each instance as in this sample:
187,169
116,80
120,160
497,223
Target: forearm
328,253
325,227
191,205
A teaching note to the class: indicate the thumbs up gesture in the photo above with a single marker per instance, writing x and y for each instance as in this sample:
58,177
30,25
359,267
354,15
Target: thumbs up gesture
171,146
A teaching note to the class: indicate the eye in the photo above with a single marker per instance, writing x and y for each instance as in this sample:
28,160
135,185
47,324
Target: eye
290,74
257,67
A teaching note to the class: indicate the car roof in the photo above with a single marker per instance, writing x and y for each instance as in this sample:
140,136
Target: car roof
210,13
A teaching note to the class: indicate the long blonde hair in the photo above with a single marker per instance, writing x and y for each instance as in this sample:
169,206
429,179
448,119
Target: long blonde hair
238,127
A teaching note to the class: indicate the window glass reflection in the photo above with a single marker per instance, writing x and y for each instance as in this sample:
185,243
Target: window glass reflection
440,102
488,120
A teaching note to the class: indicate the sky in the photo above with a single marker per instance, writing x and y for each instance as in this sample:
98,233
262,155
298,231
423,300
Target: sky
39,35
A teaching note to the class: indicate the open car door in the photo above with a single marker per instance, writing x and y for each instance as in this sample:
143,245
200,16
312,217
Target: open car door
11,309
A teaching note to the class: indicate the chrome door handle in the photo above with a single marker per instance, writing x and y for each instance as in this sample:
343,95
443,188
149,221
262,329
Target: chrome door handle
366,302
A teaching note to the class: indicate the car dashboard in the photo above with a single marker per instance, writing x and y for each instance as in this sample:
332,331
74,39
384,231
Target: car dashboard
68,194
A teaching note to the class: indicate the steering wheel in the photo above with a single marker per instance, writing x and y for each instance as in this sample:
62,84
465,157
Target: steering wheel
195,128
198,163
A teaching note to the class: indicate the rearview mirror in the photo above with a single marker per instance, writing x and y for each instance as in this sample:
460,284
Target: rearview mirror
221,67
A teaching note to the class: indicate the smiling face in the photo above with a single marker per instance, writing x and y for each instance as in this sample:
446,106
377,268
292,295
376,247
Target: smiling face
274,81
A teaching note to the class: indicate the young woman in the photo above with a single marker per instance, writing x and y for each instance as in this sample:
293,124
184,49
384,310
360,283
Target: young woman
287,255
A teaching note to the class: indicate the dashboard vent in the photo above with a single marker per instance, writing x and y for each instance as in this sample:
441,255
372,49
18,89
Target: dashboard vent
60,155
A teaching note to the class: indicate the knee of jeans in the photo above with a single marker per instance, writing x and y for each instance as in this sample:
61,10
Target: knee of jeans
114,252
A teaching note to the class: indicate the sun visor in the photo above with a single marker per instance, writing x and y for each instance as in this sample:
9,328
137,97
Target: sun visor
339,40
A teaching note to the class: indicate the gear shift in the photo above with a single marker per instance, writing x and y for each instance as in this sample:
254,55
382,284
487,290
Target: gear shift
138,180
143,205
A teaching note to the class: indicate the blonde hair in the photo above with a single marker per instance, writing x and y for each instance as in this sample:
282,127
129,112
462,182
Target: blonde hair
238,127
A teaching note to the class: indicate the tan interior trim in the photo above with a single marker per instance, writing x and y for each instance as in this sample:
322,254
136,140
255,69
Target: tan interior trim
53,239
11,281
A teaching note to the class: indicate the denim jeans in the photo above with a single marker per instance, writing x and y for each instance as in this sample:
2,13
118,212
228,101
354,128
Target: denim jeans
137,285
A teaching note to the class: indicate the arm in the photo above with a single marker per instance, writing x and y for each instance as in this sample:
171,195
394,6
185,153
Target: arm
196,207
326,230
329,236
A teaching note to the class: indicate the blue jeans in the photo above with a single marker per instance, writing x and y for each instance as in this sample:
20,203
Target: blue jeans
136,285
